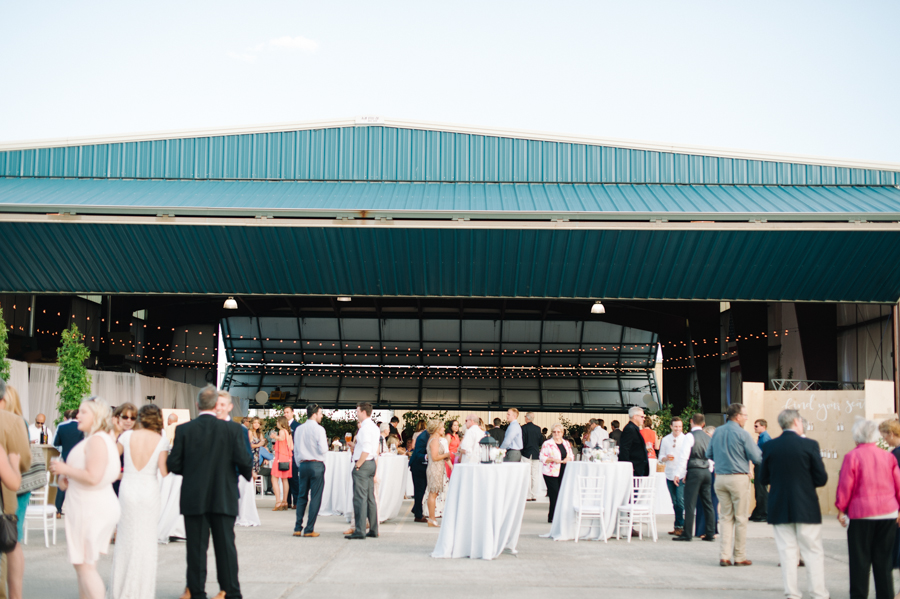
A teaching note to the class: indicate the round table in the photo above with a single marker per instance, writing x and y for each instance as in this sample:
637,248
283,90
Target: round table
389,490
617,477
337,494
484,509
171,523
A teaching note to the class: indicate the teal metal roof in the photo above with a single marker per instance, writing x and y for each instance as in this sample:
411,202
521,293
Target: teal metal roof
421,200
348,260
379,153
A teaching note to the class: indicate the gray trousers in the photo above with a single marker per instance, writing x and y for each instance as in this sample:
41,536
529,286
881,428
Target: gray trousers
513,455
364,498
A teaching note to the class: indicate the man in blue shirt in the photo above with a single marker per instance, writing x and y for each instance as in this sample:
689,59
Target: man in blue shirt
732,449
760,512
512,440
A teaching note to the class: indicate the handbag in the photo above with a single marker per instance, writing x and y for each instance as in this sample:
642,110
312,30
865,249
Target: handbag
284,466
265,471
9,529
36,476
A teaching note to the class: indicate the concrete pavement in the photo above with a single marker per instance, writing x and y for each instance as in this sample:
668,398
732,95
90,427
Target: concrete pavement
397,565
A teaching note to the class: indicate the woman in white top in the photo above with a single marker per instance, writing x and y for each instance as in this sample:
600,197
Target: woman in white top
92,509
145,450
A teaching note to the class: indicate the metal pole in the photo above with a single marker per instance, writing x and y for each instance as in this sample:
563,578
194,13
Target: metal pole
895,353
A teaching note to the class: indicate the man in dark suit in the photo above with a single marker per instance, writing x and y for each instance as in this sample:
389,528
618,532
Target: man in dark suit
632,447
417,465
793,466
67,437
209,453
497,432
532,439
294,485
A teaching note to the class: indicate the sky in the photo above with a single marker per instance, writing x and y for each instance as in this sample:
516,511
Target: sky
815,78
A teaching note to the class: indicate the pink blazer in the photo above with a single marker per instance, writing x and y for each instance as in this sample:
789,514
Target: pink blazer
869,483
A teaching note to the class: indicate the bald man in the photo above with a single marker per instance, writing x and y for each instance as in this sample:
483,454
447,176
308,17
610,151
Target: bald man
40,432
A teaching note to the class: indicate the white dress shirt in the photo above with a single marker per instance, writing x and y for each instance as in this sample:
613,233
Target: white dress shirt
469,444
367,440
310,443
597,436
34,434
670,445
684,454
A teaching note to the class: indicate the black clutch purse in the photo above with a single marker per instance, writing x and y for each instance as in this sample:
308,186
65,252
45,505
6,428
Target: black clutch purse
9,530
284,466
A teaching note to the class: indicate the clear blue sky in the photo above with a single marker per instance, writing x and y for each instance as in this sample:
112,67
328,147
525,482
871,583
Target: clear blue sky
815,78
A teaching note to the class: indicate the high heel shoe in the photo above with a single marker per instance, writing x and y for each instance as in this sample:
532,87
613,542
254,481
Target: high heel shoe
433,524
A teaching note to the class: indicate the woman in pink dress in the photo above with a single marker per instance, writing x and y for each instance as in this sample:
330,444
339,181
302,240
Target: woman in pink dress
284,453
453,441
92,509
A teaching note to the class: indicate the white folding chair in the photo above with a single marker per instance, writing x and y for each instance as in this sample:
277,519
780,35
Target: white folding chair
39,509
590,503
639,509
257,485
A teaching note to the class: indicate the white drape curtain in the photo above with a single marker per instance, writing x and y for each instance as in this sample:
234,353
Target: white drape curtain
18,378
42,391
38,389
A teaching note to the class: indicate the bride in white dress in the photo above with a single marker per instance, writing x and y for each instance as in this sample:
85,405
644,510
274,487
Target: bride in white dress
135,556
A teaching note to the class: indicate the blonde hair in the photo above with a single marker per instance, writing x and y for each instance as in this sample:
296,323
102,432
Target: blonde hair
514,411
433,426
888,426
102,415
12,400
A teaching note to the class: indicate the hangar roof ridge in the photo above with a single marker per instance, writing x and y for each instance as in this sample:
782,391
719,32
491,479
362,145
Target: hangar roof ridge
517,134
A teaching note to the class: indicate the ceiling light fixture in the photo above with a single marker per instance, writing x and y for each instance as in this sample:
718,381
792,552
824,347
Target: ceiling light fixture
230,304
344,298
598,308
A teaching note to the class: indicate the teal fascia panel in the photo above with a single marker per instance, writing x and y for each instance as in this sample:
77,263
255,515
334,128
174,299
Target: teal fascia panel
836,266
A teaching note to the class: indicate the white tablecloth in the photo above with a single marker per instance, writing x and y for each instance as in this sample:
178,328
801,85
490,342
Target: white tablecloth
618,477
392,471
484,509
337,496
171,523
662,501
247,512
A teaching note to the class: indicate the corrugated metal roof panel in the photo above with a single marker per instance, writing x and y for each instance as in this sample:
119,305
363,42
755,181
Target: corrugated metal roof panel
670,264
377,153
438,199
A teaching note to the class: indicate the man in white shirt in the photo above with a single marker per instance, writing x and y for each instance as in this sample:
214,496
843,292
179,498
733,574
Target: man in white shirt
598,433
694,470
310,449
667,448
40,432
364,451
468,449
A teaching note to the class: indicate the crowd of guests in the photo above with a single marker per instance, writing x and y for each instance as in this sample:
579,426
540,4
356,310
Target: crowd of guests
112,458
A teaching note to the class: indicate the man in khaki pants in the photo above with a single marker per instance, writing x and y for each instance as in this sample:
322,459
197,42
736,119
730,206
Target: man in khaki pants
732,449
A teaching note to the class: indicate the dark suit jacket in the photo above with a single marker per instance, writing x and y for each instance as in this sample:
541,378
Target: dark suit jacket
532,439
497,433
794,468
417,458
67,437
633,448
210,453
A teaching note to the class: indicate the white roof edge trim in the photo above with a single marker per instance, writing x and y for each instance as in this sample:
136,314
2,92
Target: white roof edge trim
710,151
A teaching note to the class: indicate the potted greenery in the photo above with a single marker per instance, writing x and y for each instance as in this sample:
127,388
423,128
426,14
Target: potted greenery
74,381
4,349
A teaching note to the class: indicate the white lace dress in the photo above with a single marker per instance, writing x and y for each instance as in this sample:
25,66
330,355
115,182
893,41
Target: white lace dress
134,559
